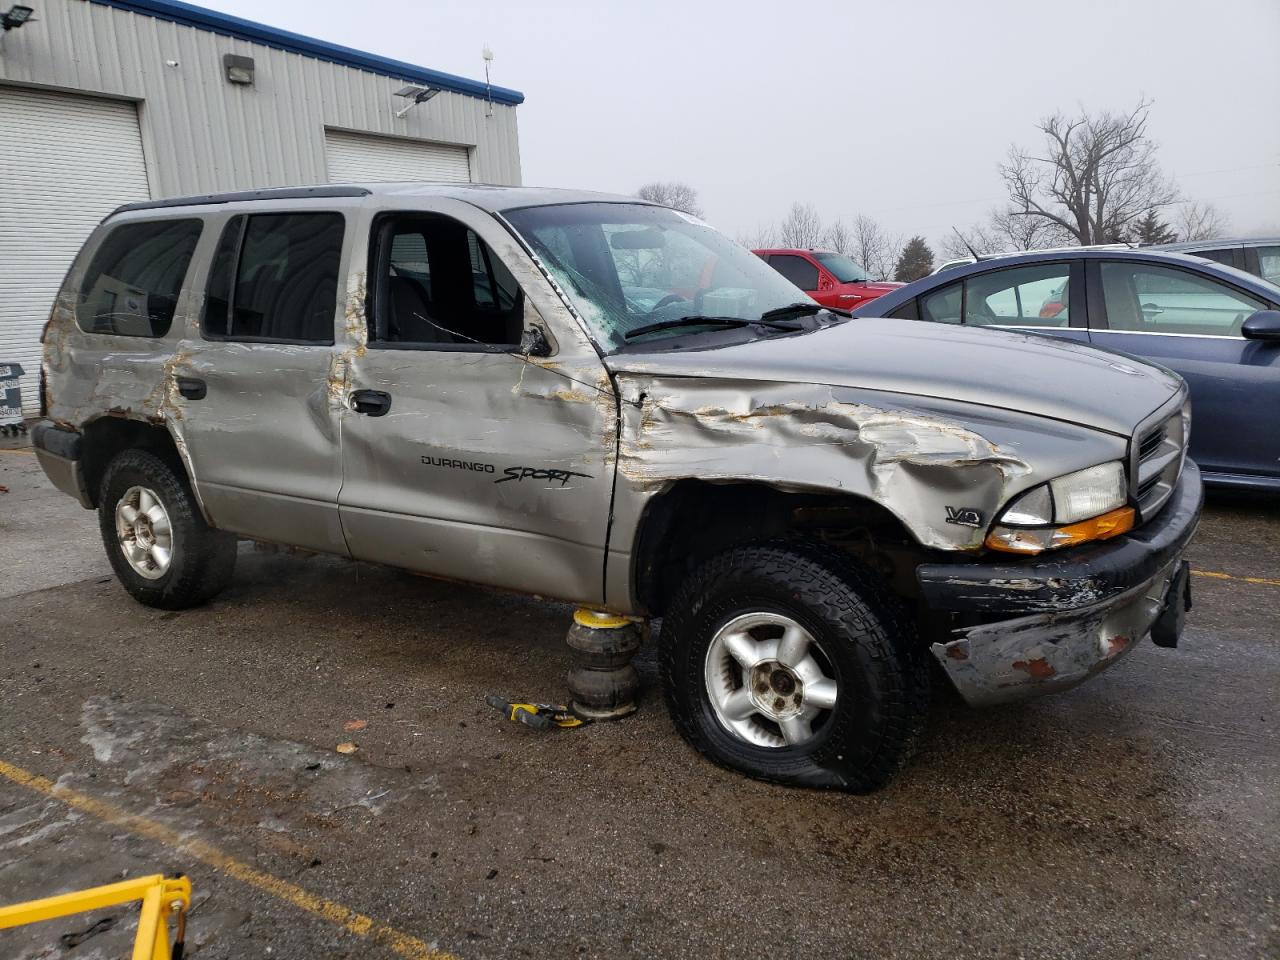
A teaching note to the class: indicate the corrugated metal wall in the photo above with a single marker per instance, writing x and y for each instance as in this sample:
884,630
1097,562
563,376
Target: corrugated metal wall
50,199
202,134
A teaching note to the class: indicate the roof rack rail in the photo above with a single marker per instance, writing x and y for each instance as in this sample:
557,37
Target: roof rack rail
278,193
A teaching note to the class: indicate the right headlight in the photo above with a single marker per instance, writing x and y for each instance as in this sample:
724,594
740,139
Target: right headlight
1090,504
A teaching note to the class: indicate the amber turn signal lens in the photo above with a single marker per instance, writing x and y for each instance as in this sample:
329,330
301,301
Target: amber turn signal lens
1038,539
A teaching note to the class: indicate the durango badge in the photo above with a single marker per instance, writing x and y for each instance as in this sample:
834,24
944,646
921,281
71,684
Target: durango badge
965,516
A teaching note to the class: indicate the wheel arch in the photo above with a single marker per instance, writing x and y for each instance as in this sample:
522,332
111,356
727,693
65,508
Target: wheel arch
691,520
108,435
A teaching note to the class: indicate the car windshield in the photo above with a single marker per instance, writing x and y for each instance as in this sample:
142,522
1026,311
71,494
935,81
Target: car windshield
626,266
842,268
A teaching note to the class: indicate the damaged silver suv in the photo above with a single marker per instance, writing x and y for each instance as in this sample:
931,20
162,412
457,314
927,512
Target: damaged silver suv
597,400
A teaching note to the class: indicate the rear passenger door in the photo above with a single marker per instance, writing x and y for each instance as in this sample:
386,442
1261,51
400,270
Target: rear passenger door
1191,323
462,457
254,390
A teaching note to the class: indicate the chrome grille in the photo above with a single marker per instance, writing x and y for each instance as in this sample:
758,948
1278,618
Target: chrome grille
1157,453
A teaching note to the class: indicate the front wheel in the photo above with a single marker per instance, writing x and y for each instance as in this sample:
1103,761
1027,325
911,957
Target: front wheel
161,549
790,663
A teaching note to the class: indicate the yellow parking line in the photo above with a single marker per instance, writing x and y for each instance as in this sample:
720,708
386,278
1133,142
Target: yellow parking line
365,927
25,453
1265,581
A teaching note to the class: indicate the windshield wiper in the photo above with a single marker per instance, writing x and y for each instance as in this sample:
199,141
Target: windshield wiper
695,321
792,309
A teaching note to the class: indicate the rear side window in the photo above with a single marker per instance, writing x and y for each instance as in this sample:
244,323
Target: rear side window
275,278
796,269
131,287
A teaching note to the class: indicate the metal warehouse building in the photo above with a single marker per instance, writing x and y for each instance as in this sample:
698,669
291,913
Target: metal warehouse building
107,101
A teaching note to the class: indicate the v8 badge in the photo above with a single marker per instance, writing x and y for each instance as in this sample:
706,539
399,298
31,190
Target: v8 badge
964,516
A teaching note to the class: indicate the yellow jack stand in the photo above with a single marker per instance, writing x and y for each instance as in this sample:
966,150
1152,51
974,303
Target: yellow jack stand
602,681
160,897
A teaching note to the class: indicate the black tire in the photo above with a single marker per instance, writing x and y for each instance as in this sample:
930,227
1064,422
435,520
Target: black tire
865,639
202,559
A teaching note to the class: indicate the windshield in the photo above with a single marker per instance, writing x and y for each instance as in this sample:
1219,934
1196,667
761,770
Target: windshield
842,268
626,266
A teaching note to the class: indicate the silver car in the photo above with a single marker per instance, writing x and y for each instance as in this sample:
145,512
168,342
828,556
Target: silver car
599,400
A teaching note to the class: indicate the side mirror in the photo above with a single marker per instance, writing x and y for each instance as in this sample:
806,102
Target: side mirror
1263,325
533,343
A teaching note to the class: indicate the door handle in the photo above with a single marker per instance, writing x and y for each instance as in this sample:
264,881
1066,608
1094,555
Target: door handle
373,403
193,388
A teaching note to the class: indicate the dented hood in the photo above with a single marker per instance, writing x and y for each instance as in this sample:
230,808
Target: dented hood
1035,374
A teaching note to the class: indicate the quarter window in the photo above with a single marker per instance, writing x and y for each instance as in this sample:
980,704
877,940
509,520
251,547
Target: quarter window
275,278
1034,296
131,287
441,286
1154,299
1225,256
796,269
943,306
1269,264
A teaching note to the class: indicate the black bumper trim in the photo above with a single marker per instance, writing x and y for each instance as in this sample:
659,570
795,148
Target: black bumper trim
1075,577
58,441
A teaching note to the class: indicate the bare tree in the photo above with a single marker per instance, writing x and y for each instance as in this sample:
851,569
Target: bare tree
1003,232
875,249
672,193
838,238
801,227
1014,232
1095,175
1200,221
763,237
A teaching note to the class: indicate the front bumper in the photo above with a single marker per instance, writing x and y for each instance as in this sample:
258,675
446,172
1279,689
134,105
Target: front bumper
1070,615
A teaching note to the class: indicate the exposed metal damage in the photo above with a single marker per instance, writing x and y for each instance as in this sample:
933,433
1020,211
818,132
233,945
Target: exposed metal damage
813,437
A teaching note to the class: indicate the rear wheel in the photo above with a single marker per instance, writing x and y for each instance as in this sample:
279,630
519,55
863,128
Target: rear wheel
161,549
791,663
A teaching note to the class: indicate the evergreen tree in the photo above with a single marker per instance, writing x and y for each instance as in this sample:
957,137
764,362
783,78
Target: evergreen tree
916,261
1151,229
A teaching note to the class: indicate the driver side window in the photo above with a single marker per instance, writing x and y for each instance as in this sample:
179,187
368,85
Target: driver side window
796,269
1151,299
440,287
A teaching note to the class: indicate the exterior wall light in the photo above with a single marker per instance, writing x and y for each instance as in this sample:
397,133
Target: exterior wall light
15,17
239,69
415,95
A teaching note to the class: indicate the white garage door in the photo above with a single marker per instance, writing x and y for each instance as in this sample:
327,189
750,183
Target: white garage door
356,158
65,162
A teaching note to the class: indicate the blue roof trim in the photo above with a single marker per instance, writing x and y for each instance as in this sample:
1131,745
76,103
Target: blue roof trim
203,19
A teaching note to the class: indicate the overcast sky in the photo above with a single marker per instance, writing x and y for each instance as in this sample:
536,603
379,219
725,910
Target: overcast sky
898,109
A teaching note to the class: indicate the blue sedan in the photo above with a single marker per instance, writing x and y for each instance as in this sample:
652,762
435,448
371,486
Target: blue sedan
1216,326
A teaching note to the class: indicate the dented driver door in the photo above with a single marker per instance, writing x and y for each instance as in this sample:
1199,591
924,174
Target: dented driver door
461,456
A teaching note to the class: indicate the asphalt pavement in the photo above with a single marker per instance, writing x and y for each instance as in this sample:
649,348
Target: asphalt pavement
1138,815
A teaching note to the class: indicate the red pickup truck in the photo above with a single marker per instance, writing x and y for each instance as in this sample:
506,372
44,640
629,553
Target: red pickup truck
830,278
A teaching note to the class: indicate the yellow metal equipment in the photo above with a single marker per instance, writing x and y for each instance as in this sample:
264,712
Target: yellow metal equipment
160,897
